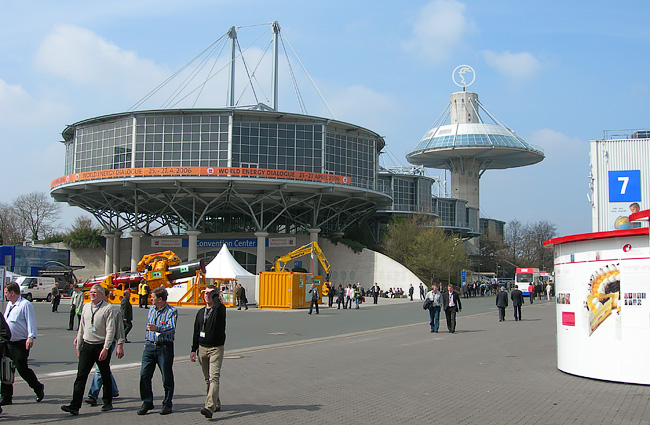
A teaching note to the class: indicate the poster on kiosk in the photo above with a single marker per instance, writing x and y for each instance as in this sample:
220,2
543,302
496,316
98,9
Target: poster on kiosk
602,303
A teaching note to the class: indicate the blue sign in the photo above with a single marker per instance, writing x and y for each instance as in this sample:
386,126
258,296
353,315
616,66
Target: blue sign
625,186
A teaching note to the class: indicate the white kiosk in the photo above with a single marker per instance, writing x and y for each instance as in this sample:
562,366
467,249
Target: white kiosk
603,303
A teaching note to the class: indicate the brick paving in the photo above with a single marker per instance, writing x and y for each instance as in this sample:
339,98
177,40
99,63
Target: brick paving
487,373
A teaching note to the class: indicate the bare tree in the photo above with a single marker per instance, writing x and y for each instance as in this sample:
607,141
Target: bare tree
11,230
38,213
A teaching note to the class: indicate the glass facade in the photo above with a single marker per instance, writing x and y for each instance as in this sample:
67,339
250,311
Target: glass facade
286,146
181,141
259,140
102,146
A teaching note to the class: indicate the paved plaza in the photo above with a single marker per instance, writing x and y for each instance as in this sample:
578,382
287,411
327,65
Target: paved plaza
376,365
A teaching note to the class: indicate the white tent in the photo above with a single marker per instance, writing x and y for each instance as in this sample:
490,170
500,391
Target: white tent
224,266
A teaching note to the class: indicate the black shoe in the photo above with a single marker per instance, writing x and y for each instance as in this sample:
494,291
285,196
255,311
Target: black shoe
247,308
40,394
432,331
166,410
239,308
5,401
217,409
107,408
70,329
116,395
91,401
144,409
207,413
70,409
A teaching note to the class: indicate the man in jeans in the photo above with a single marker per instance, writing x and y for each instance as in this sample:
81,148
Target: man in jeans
158,350
434,308
208,342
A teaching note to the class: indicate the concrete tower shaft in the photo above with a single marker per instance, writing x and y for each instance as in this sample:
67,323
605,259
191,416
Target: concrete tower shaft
464,108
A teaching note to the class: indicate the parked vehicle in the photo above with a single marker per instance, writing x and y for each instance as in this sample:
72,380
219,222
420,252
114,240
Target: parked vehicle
36,288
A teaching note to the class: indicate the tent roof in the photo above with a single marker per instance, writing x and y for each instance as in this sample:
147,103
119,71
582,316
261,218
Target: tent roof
224,266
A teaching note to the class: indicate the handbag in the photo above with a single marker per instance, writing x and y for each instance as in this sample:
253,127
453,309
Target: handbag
7,371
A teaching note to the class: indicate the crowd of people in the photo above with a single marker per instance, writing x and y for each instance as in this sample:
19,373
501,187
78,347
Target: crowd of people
103,329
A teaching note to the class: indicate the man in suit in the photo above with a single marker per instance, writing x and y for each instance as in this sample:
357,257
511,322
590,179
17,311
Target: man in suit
375,292
451,304
517,298
502,303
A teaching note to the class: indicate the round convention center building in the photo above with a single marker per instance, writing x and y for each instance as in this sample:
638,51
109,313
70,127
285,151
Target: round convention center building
239,174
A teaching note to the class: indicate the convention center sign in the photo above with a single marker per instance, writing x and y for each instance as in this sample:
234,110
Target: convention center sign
603,308
199,172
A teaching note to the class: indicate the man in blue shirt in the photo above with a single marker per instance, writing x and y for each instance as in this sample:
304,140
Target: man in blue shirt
20,317
158,350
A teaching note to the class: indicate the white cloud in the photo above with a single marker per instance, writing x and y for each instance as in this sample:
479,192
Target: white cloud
439,30
81,56
17,107
518,66
559,147
363,106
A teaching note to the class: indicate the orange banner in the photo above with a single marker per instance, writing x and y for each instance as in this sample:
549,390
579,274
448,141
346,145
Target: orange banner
199,171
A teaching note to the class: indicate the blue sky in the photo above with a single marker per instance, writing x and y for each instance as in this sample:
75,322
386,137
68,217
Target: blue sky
558,75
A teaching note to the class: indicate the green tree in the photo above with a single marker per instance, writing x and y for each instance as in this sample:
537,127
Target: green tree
83,234
425,249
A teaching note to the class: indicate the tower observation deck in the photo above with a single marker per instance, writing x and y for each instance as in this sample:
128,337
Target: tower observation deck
461,142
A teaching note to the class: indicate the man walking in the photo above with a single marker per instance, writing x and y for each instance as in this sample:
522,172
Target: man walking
208,345
434,307
76,303
451,304
340,297
126,309
241,297
411,291
158,351
421,291
502,303
95,336
517,298
314,298
531,292
19,315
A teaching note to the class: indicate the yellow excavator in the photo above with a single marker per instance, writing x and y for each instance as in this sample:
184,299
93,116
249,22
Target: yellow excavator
311,248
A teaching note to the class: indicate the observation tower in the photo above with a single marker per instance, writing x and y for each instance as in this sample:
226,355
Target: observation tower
463,143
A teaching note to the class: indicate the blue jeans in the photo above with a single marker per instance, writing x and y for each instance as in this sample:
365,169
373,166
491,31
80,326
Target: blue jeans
434,314
163,356
97,381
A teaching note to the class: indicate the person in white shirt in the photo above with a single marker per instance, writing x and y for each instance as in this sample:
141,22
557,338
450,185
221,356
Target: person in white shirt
20,317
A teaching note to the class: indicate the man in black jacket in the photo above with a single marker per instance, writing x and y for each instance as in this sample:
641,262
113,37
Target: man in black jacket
517,298
451,304
502,303
208,345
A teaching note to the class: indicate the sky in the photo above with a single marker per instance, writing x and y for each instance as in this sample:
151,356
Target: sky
558,75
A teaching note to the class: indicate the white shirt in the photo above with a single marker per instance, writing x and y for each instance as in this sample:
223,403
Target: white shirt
21,319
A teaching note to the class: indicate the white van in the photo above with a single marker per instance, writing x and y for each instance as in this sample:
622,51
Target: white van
36,288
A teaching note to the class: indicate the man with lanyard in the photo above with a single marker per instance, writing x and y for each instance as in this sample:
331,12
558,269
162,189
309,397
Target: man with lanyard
20,317
451,304
158,350
208,345
95,336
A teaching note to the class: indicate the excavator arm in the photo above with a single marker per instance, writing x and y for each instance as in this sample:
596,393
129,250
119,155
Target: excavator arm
312,247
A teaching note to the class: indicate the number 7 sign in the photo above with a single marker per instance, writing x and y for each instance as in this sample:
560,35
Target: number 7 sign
625,186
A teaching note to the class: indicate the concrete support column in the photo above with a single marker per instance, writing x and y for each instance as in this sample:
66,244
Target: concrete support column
116,252
261,251
135,249
108,259
191,247
313,237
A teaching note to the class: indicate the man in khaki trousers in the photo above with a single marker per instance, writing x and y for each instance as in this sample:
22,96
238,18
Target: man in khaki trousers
208,345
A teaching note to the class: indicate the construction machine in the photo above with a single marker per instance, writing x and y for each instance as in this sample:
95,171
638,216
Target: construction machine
158,269
281,288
